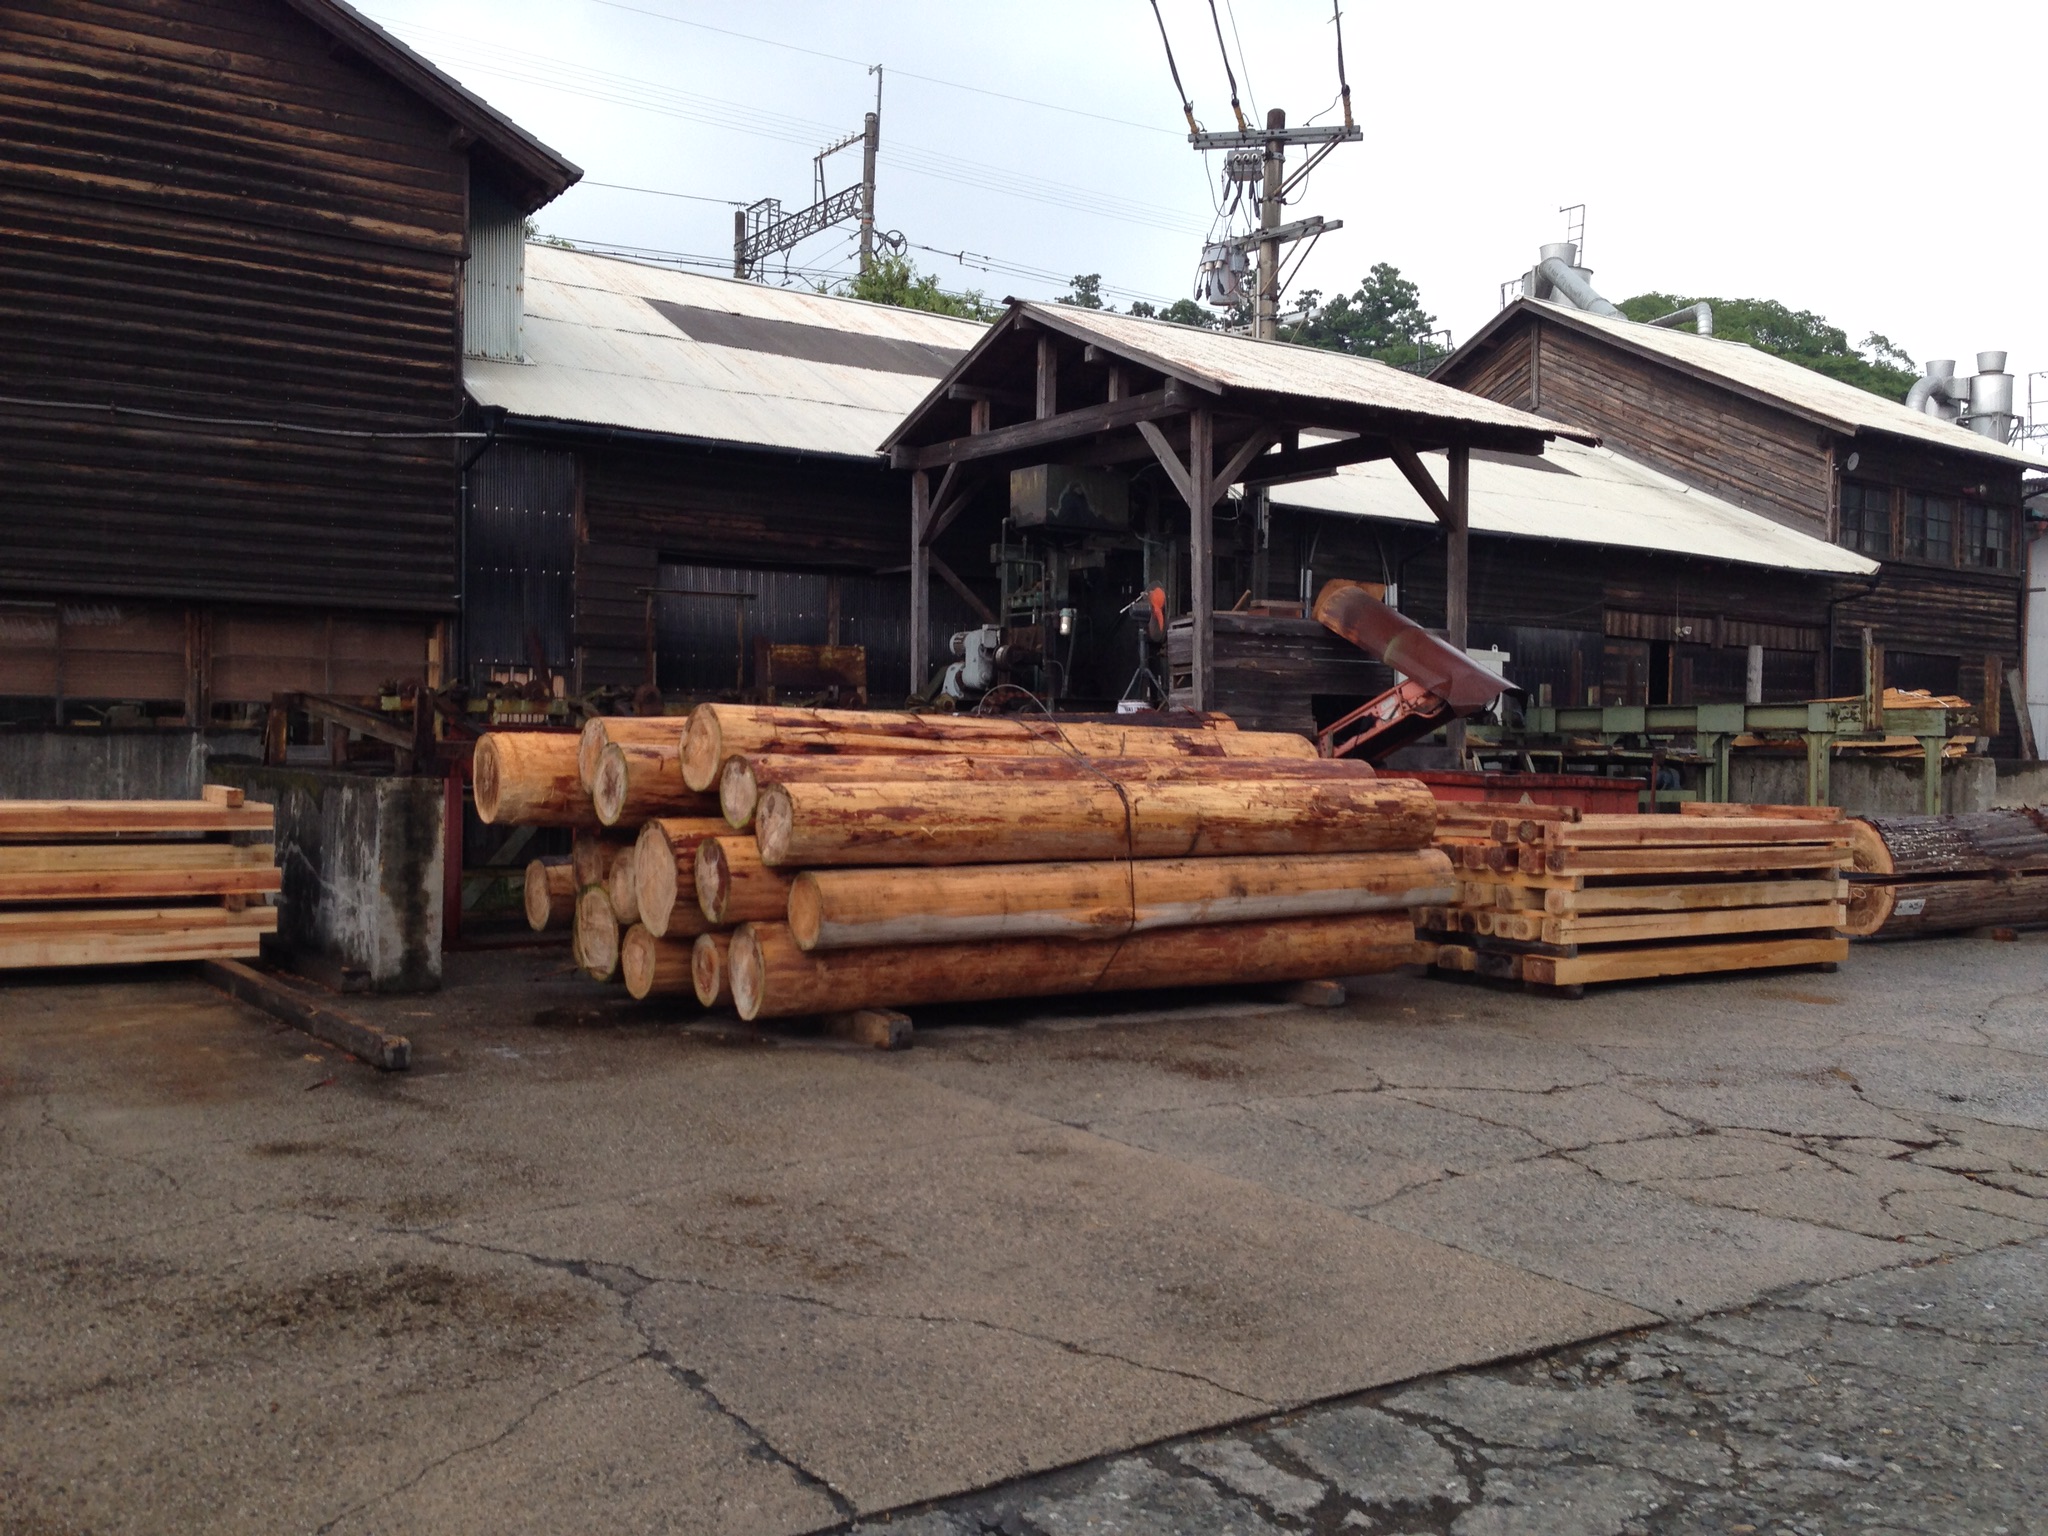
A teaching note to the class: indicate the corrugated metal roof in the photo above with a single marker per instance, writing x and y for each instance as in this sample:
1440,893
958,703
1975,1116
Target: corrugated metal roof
1842,406
600,353
1217,361
1582,495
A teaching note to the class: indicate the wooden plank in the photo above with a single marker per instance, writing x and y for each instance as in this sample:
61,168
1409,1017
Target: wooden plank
61,818
1648,927
87,920
1691,831
1717,808
30,951
1693,898
1051,432
24,858
392,1053
138,884
1682,960
1679,861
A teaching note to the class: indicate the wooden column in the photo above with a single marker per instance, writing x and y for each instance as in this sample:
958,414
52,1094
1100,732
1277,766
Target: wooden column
1202,556
1458,573
920,580
1048,401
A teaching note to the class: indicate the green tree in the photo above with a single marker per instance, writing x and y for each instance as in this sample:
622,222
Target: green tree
1383,318
894,280
1799,336
1087,292
1179,312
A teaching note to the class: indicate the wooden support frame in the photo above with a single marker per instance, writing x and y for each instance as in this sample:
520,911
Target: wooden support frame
920,580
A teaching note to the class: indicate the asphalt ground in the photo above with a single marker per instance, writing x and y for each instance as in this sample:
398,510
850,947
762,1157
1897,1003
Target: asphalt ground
595,1264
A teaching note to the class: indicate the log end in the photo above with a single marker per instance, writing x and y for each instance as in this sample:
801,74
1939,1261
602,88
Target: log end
609,784
622,885
709,973
550,894
636,961
589,744
1868,854
746,972
774,820
597,935
654,874
739,793
703,749
487,779
1870,908
714,880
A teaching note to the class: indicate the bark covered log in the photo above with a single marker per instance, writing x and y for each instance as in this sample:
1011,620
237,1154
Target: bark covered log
735,886
655,967
529,779
1932,847
719,731
1951,906
743,778
773,978
550,893
865,908
665,865
804,825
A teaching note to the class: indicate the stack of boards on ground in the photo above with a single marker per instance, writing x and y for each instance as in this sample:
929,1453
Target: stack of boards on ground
127,882
1945,874
822,861
1556,899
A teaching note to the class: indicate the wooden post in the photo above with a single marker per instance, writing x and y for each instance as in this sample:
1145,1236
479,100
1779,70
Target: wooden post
1202,558
1458,574
920,581
831,610
1048,375
1753,682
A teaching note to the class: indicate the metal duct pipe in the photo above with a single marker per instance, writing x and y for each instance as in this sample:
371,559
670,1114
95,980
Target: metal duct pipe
1566,280
1937,391
1991,397
1701,314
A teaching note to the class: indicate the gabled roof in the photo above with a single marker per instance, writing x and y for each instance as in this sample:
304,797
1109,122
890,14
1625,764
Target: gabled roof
527,171
1271,376
1580,495
1754,373
618,344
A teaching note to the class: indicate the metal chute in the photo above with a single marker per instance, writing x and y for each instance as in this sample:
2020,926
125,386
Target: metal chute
1440,683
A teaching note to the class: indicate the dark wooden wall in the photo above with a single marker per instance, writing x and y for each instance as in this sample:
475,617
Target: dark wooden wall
208,209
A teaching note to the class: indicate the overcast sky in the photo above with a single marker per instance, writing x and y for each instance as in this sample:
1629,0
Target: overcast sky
1870,162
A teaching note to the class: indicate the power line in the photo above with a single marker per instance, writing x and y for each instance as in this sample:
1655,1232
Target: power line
901,74
615,186
1016,269
689,106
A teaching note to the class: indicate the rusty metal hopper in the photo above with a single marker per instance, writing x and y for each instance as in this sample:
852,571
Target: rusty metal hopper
1345,609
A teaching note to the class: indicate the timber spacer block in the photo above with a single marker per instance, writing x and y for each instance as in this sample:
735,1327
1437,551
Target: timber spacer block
1310,994
1570,992
883,1028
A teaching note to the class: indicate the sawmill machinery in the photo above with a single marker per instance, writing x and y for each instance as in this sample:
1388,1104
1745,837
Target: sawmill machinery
1438,682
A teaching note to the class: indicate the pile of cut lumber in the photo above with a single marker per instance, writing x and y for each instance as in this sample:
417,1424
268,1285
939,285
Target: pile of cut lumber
799,862
125,882
1944,874
1555,899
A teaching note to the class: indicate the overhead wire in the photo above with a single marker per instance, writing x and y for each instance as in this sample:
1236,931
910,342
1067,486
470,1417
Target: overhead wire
1187,107
1242,125
1242,62
894,71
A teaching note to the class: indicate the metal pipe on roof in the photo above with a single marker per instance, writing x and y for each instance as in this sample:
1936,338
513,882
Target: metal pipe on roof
1991,397
1938,392
1700,313
1566,280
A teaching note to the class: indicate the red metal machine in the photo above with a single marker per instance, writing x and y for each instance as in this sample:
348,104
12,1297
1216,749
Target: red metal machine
1440,683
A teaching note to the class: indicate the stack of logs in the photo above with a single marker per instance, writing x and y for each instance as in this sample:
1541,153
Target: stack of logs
1556,899
799,862
1944,874
125,882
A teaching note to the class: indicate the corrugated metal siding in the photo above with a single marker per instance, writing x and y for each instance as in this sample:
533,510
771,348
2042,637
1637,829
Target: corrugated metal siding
519,578
494,279
204,211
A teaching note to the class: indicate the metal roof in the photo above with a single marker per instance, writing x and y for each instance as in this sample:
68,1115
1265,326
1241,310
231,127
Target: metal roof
531,173
609,344
1218,361
1760,374
1581,495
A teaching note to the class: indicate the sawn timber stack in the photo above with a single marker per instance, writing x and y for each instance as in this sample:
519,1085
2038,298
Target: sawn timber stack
127,882
1559,903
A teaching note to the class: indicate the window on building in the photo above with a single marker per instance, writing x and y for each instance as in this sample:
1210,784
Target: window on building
1930,528
1867,518
1987,536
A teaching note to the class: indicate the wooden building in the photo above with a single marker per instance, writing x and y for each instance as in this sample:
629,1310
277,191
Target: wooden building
681,466
1936,505
238,243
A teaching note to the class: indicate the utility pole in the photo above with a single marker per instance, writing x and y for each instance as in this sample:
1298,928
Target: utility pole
871,135
1266,312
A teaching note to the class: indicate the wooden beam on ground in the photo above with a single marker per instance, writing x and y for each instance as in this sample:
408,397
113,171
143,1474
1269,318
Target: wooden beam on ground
391,1053
920,580
951,578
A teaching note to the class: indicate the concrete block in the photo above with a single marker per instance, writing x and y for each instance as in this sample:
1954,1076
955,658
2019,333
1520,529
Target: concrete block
362,862
1867,786
102,765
